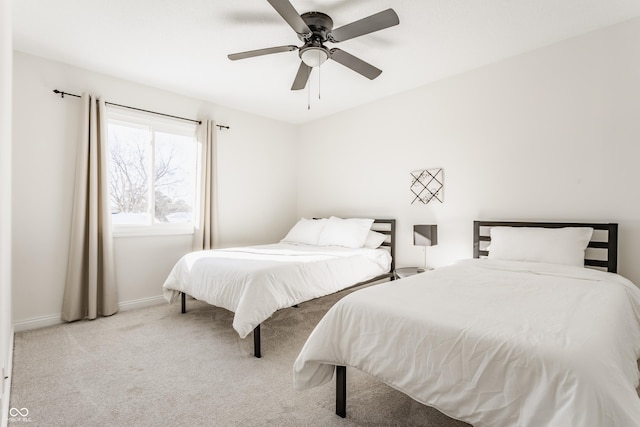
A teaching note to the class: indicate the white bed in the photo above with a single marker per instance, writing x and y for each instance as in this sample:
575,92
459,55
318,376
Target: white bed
491,342
255,281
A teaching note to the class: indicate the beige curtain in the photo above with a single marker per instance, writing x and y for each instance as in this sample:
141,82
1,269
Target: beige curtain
203,237
91,285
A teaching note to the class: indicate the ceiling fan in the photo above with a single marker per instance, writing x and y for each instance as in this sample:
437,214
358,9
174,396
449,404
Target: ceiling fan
315,29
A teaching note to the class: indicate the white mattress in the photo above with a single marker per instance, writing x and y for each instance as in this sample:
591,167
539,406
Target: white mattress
256,281
493,343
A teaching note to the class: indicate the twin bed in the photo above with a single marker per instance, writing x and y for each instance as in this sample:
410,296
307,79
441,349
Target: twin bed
318,257
525,337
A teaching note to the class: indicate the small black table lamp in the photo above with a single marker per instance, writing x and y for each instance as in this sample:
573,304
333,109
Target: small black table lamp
425,235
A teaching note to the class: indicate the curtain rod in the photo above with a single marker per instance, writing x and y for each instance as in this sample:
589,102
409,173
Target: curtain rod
62,94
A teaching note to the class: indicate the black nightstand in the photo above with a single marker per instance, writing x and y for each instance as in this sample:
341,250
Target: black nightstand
407,271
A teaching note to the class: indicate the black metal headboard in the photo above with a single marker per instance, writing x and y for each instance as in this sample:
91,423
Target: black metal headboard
609,243
389,230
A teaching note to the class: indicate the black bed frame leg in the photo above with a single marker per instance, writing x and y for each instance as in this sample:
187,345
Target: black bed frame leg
256,342
341,391
184,302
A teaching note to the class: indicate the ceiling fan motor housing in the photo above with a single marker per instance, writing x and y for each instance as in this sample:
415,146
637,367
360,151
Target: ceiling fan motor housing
320,25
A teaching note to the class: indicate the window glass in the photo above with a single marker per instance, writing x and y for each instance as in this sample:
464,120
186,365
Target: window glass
153,170
175,178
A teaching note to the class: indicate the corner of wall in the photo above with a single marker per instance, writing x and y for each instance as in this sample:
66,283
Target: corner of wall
6,328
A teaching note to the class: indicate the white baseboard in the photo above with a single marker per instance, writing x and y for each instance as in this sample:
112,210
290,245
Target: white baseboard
6,385
37,322
56,319
142,302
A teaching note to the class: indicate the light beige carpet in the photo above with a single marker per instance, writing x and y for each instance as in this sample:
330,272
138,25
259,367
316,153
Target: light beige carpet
158,367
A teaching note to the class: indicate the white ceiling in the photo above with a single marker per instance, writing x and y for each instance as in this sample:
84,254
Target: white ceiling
182,45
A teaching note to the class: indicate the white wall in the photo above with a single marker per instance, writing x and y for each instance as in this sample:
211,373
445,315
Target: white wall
549,135
6,327
256,170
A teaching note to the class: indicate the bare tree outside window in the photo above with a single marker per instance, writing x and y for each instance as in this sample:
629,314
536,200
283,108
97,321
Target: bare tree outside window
128,178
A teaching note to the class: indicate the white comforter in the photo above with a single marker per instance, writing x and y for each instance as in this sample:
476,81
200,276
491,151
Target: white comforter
256,281
493,343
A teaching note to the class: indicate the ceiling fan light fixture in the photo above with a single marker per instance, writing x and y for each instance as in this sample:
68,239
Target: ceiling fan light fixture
314,56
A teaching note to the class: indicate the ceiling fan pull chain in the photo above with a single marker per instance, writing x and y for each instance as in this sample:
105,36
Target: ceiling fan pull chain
318,78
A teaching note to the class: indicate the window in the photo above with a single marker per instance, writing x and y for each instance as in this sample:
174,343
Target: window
153,170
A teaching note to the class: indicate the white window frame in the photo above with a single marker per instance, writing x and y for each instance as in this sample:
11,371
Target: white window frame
130,117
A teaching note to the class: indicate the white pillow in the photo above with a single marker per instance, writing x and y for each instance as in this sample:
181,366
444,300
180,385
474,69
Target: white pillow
350,232
551,245
306,231
374,239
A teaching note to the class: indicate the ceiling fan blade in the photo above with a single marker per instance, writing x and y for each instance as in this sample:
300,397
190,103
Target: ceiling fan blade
260,52
356,64
378,21
301,77
291,15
